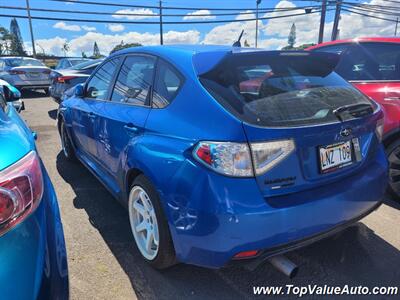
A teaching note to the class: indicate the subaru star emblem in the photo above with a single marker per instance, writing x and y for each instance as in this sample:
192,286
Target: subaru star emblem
345,132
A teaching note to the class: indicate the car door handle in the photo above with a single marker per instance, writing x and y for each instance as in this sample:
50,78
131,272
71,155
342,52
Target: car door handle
131,128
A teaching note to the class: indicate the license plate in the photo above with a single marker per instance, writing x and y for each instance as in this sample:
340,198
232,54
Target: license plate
336,156
33,74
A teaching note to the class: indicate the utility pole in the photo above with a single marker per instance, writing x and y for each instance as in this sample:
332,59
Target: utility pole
28,10
322,22
161,25
257,3
395,29
336,20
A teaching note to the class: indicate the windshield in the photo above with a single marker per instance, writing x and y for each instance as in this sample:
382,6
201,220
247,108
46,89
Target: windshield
281,89
22,62
87,64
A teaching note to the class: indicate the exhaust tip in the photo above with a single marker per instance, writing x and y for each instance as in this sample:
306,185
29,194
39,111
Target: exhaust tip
284,265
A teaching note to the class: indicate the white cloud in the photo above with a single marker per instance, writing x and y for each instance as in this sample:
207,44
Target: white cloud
88,28
228,33
146,11
49,46
116,27
107,42
203,14
65,26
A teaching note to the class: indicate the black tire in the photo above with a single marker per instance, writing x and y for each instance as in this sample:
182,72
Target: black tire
393,155
165,257
46,92
66,145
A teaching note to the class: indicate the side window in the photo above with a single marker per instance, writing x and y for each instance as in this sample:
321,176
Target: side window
134,80
97,87
166,86
60,64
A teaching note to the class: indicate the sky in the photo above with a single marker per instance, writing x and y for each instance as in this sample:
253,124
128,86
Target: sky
50,36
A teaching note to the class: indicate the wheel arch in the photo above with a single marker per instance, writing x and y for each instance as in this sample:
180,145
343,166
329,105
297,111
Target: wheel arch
390,137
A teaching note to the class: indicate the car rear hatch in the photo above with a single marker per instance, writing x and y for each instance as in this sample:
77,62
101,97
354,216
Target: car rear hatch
305,125
31,73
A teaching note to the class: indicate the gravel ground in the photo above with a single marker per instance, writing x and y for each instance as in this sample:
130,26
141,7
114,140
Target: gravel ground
104,263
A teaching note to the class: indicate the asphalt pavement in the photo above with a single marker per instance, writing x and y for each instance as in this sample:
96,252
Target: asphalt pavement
105,264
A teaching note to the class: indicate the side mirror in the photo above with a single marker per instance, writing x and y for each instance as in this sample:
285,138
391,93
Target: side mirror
80,91
11,93
19,105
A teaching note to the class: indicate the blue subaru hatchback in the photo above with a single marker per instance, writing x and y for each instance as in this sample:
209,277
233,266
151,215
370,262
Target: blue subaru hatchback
33,262
222,153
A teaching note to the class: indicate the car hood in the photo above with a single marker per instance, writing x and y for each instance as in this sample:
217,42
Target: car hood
14,139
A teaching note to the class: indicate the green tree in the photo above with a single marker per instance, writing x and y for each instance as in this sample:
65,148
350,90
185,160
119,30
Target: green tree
122,45
84,54
96,51
17,44
292,36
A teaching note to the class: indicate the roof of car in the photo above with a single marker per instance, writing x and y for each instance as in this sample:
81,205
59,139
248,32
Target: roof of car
185,56
358,40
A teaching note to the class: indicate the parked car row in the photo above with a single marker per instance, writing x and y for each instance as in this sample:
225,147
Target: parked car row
31,74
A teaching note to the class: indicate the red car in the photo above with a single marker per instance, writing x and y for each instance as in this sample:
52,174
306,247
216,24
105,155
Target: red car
373,66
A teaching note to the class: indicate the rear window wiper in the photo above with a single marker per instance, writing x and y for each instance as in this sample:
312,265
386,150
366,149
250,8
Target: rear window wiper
356,110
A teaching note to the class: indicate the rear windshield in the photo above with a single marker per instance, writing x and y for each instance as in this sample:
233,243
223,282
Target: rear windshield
22,62
75,62
281,89
87,64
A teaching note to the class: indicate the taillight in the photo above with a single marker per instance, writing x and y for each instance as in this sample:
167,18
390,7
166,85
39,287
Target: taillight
237,159
65,79
231,159
266,155
21,189
16,72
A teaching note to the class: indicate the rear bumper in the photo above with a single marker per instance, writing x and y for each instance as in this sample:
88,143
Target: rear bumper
225,216
32,87
33,262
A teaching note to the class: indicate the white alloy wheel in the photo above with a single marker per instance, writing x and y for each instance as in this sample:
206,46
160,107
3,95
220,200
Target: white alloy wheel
144,223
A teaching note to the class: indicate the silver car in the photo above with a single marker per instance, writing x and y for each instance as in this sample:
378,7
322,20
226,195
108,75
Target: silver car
25,73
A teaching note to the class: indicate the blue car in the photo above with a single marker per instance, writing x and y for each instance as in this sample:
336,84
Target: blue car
33,262
222,153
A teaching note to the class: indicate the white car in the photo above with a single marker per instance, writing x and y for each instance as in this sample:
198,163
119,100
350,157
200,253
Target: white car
25,73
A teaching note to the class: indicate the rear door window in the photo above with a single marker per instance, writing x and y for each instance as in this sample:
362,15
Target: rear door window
134,80
98,86
167,84
370,61
281,89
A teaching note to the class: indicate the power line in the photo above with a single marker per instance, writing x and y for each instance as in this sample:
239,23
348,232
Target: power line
147,14
157,7
367,15
156,22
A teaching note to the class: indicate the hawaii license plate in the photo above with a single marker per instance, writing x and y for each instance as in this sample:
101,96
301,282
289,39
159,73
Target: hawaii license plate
336,156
